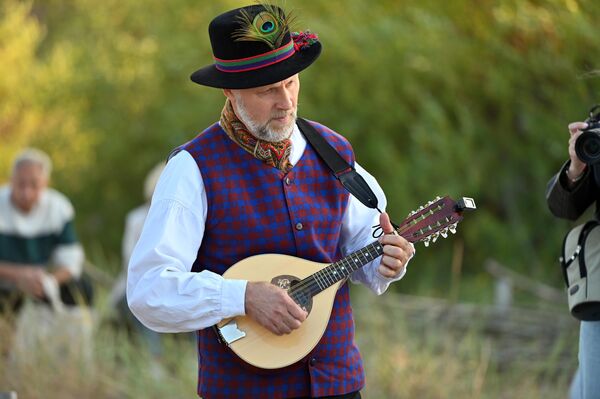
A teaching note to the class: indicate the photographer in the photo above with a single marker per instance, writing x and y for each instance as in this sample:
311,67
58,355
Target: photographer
569,194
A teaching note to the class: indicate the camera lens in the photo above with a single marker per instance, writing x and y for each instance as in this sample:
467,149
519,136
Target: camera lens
587,147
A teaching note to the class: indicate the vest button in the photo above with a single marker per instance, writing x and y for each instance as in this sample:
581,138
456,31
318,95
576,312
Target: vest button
313,361
288,181
299,226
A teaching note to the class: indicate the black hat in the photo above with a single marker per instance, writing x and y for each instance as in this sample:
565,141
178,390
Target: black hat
253,46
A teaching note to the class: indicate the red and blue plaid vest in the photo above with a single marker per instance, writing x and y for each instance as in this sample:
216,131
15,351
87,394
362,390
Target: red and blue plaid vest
253,209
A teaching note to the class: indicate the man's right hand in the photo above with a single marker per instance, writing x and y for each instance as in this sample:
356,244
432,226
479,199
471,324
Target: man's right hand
272,308
29,280
577,167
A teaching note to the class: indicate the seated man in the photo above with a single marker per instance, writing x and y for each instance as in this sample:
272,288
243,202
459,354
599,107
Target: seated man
37,236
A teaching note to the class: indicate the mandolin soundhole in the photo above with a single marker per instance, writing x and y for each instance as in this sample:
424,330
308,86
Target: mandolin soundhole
301,297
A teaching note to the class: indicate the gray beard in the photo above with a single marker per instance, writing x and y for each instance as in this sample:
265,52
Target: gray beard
264,132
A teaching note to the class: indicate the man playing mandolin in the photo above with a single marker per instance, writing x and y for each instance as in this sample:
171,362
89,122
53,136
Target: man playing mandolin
250,185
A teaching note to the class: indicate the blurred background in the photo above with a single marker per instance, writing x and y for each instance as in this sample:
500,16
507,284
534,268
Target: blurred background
457,98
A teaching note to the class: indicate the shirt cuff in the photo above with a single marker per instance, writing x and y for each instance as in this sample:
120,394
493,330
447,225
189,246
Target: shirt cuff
566,183
233,298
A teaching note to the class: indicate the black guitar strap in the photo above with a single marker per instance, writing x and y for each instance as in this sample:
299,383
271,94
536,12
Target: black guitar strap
346,174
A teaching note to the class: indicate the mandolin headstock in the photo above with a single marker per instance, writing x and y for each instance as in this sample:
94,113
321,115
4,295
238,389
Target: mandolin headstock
437,217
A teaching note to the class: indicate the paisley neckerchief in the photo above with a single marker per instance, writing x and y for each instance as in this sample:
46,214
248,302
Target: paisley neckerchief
273,154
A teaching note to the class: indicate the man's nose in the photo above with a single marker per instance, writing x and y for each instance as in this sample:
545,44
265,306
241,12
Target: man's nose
285,100
29,194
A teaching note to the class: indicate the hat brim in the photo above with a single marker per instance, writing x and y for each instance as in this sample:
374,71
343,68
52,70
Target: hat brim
212,77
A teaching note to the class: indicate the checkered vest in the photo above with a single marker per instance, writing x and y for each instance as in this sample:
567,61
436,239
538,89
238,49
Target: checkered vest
253,209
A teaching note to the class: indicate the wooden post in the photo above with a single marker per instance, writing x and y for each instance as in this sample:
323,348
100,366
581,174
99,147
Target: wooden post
525,283
503,293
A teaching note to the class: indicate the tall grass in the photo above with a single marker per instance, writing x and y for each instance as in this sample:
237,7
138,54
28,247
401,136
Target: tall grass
433,359
121,367
403,359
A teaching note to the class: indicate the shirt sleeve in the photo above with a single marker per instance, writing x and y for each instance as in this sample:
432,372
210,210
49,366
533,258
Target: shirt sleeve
357,233
68,253
134,222
162,291
70,257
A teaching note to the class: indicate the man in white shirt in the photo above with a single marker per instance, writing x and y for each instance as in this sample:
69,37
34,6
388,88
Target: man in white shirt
37,234
247,185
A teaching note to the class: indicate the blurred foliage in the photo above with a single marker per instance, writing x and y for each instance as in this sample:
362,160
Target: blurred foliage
453,98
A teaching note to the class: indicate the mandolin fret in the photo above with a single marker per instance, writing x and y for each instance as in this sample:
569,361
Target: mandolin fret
319,280
339,270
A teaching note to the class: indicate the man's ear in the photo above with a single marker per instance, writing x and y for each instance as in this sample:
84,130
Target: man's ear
228,94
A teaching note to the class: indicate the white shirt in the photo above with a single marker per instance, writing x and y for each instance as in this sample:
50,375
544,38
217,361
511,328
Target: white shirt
163,292
49,216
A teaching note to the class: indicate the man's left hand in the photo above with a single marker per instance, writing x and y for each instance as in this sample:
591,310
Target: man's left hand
397,251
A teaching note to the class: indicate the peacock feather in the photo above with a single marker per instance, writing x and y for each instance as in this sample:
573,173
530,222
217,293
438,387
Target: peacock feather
268,26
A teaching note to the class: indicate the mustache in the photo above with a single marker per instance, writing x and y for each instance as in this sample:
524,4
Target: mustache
281,114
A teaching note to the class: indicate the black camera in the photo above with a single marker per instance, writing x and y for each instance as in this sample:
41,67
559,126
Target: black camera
587,145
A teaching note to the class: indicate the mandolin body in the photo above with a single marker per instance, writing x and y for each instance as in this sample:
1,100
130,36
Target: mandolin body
260,347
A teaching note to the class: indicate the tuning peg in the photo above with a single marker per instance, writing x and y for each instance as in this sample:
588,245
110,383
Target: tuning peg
411,213
444,232
426,241
435,236
452,228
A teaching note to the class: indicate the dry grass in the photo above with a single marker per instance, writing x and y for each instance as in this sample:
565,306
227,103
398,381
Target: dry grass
432,360
402,361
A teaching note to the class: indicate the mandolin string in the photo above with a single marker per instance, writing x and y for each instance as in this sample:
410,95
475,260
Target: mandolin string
310,282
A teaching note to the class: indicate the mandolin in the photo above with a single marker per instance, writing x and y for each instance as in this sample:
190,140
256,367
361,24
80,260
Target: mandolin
313,286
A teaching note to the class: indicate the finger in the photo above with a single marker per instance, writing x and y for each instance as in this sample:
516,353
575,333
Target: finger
390,268
39,292
291,323
574,136
386,224
277,328
576,126
394,251
385,272
283,328
395,259
392,241
393,264
35,289
297,312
